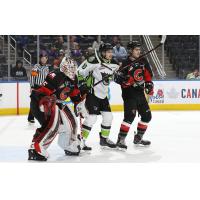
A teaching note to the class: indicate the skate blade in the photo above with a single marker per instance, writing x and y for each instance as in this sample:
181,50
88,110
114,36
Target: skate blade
31,124
107,148
141,146
121,149
34,161
86,152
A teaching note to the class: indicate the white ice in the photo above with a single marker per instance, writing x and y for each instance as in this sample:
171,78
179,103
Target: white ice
175,137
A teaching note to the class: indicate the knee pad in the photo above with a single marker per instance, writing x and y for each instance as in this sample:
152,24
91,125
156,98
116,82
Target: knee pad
107,118
129,116
146,117
90,120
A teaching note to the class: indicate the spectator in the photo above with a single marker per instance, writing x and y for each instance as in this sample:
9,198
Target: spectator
96,44
59,44
55,64
61,55
53,52
77,54
195,75
89,52
19,72
119,52
115,40
73,42
22,42
82,59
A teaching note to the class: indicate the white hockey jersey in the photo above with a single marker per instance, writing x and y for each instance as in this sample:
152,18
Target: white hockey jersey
94,70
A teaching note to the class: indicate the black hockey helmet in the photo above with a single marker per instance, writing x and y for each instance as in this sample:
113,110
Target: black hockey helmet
105,47
133,44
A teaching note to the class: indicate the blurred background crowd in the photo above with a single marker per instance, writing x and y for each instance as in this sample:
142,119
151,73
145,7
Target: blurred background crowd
19,53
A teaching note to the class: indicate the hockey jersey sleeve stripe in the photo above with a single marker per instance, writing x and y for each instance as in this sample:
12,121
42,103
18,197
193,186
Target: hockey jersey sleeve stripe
147,75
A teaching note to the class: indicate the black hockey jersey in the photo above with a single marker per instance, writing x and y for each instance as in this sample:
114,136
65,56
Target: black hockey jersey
59,84
138,73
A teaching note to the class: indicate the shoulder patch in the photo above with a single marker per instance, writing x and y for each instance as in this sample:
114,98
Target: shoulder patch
91,58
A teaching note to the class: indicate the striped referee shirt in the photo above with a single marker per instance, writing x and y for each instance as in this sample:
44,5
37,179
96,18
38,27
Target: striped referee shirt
38,75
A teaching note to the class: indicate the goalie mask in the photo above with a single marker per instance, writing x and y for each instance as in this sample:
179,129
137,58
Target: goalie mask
69,67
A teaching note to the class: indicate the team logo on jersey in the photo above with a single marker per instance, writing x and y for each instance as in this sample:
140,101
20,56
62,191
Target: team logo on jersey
138,75
91,59
107,80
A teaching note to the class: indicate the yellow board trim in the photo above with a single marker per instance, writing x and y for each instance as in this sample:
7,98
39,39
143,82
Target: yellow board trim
13,111
154,107
175,107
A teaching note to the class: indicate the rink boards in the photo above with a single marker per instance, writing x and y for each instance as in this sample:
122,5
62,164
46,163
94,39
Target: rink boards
168,95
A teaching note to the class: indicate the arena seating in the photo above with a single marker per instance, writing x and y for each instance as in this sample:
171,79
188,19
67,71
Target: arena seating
183,52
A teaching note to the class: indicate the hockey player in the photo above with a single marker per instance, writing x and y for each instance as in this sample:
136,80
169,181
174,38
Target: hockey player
54,117
94,69
134,80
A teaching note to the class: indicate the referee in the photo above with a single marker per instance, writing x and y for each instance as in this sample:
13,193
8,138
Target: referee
38,75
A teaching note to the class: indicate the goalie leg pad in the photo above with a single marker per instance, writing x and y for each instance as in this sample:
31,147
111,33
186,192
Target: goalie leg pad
45,135
67,138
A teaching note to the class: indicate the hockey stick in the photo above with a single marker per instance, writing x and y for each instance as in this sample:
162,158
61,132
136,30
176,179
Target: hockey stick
136,60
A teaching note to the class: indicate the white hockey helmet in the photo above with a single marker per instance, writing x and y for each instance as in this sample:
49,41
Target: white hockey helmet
69,67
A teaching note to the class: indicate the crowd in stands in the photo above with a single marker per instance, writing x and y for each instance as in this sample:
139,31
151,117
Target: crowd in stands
182,51
56,47
80,48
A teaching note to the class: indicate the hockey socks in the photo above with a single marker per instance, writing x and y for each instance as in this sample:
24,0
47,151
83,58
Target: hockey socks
105,131
124,129
141,129
85,133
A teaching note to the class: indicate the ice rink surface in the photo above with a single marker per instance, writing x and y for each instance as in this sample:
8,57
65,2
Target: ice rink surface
175,137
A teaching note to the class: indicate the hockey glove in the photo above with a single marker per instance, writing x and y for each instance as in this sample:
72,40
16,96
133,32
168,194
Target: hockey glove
119,78
129,82
80,109
149,87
